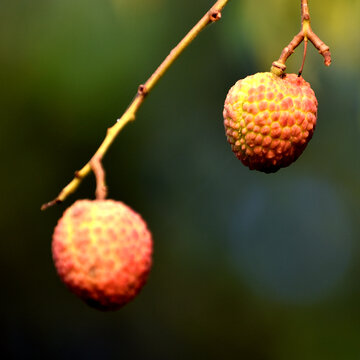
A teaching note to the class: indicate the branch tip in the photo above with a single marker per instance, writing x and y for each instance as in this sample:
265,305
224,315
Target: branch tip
50,204
327,60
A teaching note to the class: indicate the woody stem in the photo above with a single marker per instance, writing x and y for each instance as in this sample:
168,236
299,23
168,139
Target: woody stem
306,33
213,15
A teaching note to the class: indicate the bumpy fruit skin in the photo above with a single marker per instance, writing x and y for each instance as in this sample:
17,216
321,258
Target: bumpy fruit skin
269,119
102,251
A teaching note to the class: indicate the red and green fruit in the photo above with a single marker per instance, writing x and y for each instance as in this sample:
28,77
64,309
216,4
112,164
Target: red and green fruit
269,119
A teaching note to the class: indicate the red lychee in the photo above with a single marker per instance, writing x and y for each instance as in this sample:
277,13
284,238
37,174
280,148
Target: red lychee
102,251
269,119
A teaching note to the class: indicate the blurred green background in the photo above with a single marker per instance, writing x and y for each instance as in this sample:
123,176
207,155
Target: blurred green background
246,265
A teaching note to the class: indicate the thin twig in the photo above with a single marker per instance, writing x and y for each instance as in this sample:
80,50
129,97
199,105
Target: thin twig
279,67
304,56
213,15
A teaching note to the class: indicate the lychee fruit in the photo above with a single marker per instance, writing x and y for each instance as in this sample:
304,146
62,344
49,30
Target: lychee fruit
269,119
102,251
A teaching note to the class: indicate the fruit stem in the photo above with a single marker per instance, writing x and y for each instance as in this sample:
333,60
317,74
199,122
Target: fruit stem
306,33
213,15
99,172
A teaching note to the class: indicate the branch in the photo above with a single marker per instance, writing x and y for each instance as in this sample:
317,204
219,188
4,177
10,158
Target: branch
306,33
213,15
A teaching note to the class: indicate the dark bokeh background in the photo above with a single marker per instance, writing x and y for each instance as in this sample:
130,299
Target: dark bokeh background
246,265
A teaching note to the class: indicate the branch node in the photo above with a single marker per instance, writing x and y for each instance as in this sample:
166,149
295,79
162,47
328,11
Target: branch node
77,175
214,15
278,68
304,34
142,90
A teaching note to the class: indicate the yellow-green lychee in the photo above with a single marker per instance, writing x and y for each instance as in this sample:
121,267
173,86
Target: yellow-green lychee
269,119
102,250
